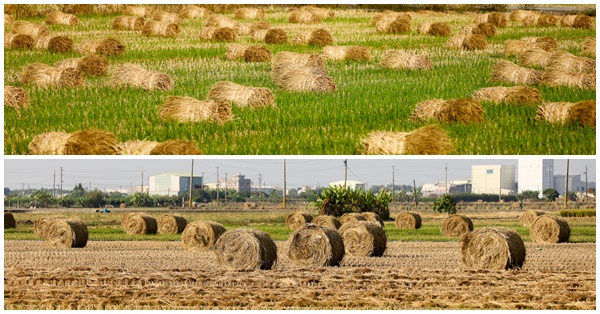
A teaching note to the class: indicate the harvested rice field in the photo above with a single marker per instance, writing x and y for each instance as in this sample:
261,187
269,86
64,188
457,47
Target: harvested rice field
410,275
357,100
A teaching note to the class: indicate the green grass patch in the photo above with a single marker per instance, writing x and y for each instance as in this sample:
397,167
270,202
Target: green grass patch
578,213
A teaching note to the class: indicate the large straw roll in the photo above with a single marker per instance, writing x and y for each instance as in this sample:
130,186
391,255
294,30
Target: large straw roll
493,249
296,220
351,217
315,246
138,223
246,249
327,221
9,221
169,223
63,233
529,216
550,229
408,220
363,238
40,226
456,226
373,217
201,235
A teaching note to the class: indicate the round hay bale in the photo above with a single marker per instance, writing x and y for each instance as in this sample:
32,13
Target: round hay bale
302,78
64,233
320,37
92,65
398,60
134,75
518,15
18,41
352,53
41,225
327,221
400,25
224,34
276,36
529,216
566,62
456,226
571,79
8,19
296,220
201,235
158,28
257,54
195,12
589,47
363,238
583,21
235,51
439,29
427,140
107,47
373,217
544,42
15,97
84,142
9,221
123,205
54,44
134,23
583,112
246,249
241,96
260,25
485,29
60,18
465,110
350,218
493,249
188,109
249,13
175,147
137,10
517,95
474,42
508,72
548,20
167,17
535,57
169,223
299,59
304,17
28,28
408,220
315,246
323,13
139,223
498,19
550,229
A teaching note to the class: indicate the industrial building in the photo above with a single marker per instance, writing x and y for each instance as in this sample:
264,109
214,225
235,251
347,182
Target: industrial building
172,183
354,185
535,174
493,179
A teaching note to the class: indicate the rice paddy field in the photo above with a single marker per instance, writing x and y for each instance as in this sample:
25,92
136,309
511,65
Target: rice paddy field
367,98
420,269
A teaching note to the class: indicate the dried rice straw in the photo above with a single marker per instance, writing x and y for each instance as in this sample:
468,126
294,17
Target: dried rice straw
188,109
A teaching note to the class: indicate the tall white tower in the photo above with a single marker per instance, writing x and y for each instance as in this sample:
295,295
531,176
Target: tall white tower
535,174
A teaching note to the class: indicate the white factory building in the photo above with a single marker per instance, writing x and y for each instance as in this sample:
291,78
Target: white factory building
493,179
354,185
172,183
535,174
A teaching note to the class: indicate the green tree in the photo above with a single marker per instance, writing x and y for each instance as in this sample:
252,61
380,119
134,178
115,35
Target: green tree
528,195
78,191
140,200
94,199
572,196
42,197
551,194
445,204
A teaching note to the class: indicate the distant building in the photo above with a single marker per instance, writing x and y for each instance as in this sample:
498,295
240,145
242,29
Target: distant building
575,183
493,179
354,185
172,183
238,182
535,174
438,188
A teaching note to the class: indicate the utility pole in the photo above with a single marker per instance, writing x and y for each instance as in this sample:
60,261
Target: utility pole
90,186
446,178
345,171
284,187
142,189
259,184
548,169
217,184
393,172
22,189
567,185
225,186
585,183
500,188
415,192
61,180
54,185
191,184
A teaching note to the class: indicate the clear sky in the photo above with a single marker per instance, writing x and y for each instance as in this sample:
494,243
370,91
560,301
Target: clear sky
116,173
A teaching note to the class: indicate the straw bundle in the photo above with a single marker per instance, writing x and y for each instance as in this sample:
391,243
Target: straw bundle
315,246
188,109
550,229
299,59
589,47
170,147
485,29
167,17
89,65
44,75
296,220
398,60
221,21
548,20
474,42
9,221
319,37
583,112
560,78
134,75
195,12
518,95
497,19
54,44
323,13
260,25
249,13
107,47
15,97
137,11
535,57
506,71
255,54
583,21
456,226
241,96
350,218
567,20
327,221
134,23
275,36
519,15
428,140
531,19
304,17
301,78
352,53
223,34
529,216
138,223
517,47
84,142
439,29
493,249
60,18
64,233
363,238
41,226
158,28
564,61
136,147
373,217
235,51
169,223
388,15
201,235
246,249
408,220
393,24
18,41
8,19
207,32
463,110
457,40
28,28
423,28
261,35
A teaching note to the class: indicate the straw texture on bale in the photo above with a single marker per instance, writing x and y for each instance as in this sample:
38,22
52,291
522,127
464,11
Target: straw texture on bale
129,74
474,42
439,29
428,140
456,226
408,220
124,22
248,53
170,147
548,20
172,224
276,36
201,235
423,28
260,25
195,12
550,229
320,37
493,249
241,96
235,51
302,78
9,221
93,65
583,113
566,62
352,53
15,97
497,19
300,59
583,21
167,17
44,75
84,142
139,223
188,109
397,59
64,233
508,72
571,79
392,23
249,13
296,220
323,13
589,47
246,249
158,28
224,34
465,110
304,17
529,216
137,11
518,95
54,44
261,35
351,217
517,47
327,221
399,26
363,238
315,246
485,29
535,57
391,15
136,147
518,15
107,47
60,18
8,19
28,28
18,41
207,32
41,225
373,217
